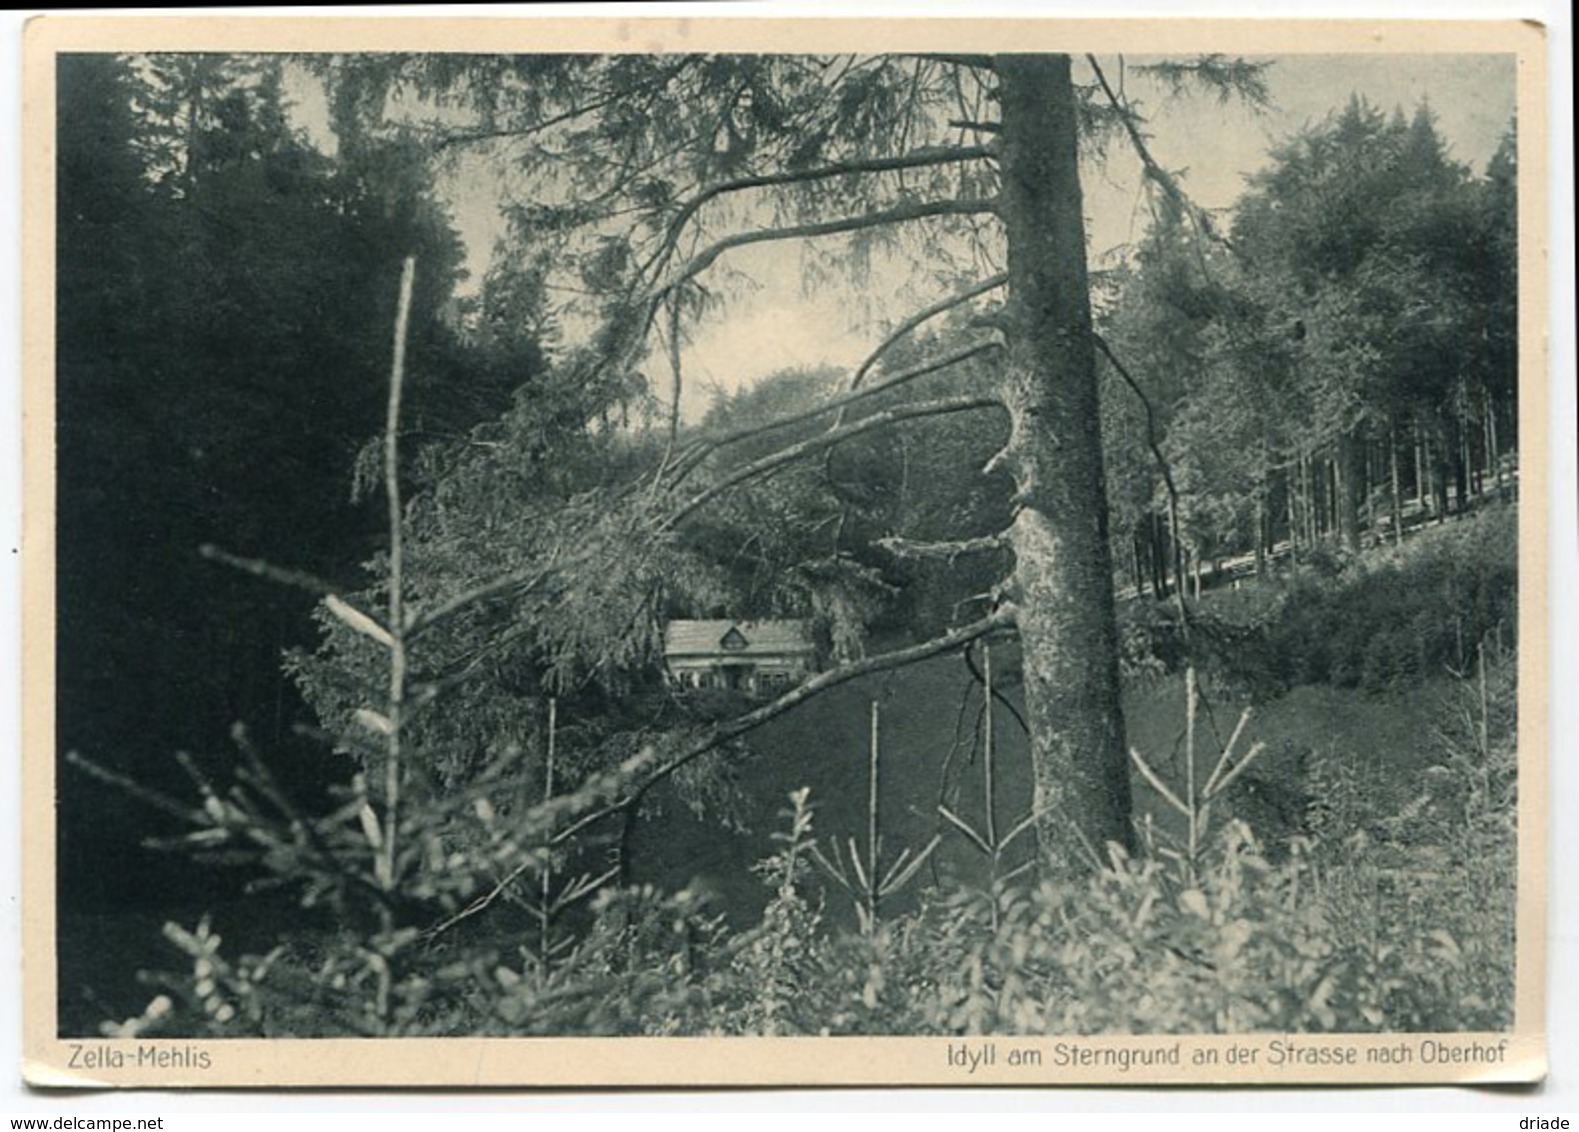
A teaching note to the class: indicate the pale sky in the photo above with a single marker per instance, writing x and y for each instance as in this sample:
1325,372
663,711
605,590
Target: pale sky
778,325
1216,146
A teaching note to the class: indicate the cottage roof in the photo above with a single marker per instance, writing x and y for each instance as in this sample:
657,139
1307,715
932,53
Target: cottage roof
762,638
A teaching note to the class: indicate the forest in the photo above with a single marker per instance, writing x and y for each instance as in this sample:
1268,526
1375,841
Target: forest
1160,602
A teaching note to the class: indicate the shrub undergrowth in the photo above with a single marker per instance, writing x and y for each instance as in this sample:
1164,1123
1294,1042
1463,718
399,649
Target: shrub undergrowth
1374,921
1378,622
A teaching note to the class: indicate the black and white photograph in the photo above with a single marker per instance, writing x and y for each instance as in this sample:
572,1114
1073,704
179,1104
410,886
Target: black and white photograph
1010,542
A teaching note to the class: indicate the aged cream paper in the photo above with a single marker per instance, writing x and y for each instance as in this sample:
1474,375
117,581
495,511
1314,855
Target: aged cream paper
51,1060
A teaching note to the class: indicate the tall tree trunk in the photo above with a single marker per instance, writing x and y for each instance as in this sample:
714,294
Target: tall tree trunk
1176,544
1303,494
1063,579
1307,502
1293,518
1155,543
1480,462
1398,503
1456,449
1263,525
1319,496
1319,471
1427,478
1329,484
1372,473
1421,483
1466,458
1493,449
1347,478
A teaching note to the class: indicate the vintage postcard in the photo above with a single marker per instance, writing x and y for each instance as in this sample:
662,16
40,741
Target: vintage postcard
613,552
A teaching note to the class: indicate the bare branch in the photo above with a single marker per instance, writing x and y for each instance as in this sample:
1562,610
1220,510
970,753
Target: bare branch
1227,780
1155,172
1225,759
549,812
259,568
1126,116
918,210
945,551
523,580
921,316
978,127
900,332
997,694
574,112
484,901
1157,783
705,448
980,62
1001,618
921,158
1163,466
135,789
834,436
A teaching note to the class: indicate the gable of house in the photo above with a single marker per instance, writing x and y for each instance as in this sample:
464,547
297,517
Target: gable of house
716,638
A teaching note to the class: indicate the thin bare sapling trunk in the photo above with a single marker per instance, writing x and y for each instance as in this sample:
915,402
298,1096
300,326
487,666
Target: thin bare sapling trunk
397,615
863,875
1194,801
545,917
985,838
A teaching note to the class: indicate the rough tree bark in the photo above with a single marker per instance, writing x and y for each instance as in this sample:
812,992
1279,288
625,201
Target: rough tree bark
1063,580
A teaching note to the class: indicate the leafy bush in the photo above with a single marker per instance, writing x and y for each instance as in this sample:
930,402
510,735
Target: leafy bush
1374,623
1415,613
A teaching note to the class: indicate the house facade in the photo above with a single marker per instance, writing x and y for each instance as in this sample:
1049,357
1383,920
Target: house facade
756,657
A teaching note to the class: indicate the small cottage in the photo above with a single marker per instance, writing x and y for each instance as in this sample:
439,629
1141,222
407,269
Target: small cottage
757,657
